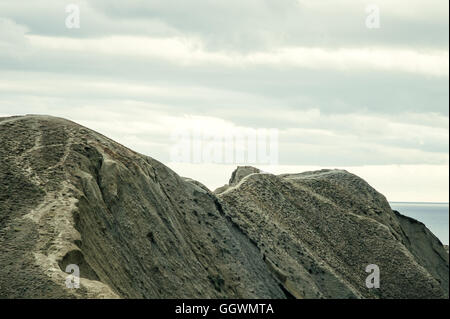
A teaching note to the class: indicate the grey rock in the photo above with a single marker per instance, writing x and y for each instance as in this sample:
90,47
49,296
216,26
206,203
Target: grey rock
136,229
319,230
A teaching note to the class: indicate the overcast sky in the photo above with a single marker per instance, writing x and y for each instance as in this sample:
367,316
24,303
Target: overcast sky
340,94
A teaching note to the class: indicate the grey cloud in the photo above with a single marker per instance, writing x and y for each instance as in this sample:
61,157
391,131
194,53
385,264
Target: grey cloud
47,17
246,25
332,91
251,96
243,25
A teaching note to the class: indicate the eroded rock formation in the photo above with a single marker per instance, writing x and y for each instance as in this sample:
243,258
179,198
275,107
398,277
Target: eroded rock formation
136,229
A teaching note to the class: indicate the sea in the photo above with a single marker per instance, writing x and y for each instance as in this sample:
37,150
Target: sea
433,215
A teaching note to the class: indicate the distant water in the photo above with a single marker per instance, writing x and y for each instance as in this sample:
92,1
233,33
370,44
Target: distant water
433,215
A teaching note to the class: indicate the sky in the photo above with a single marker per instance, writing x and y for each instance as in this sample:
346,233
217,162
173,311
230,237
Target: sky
357,85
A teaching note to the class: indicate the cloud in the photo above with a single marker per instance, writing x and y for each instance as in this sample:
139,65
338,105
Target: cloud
246,26
338,93
191,52
240,26
12,36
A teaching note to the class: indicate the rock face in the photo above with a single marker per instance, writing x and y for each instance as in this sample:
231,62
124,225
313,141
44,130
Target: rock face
319,231
136,229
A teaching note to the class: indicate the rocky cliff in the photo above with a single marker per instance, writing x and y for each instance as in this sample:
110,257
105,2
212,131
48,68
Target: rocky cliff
136,229
319,230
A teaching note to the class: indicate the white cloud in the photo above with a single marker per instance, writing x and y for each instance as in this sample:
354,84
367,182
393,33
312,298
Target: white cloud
12,36
338,93
190,51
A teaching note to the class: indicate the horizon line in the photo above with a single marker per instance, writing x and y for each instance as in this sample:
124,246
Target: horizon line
406,202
